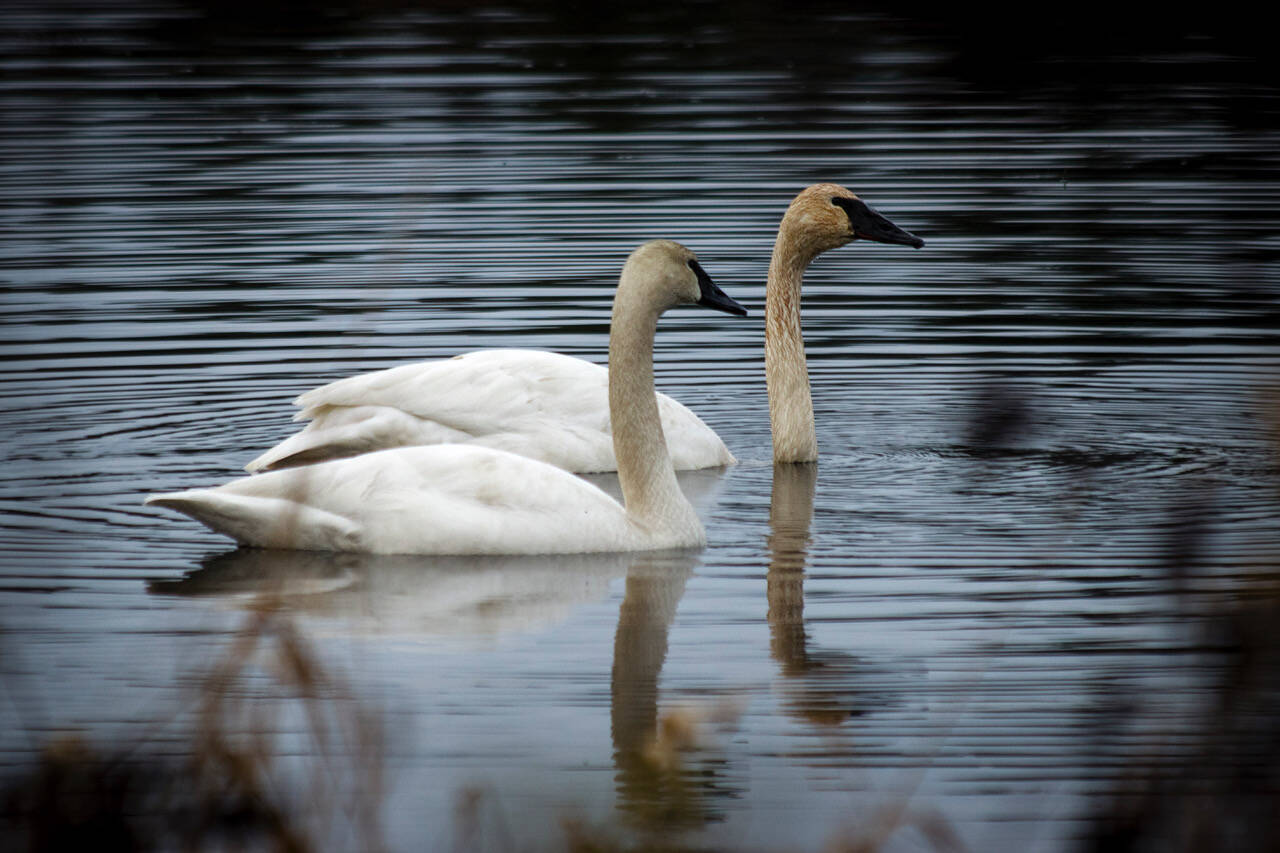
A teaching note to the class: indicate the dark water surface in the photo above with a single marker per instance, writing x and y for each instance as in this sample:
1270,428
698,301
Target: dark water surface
1046,476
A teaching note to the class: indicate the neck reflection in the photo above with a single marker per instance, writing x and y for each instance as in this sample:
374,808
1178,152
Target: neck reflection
790,515
821,685
659,791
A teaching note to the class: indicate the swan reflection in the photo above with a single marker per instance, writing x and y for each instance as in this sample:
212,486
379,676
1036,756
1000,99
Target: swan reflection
821,686
409,594
652,744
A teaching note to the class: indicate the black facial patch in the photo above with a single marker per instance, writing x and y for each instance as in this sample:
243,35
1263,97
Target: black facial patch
703,278
856,209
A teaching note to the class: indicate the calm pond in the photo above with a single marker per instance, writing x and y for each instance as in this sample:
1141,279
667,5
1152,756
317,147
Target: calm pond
1029,569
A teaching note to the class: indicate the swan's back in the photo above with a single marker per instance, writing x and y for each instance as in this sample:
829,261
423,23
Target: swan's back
543,405
512,384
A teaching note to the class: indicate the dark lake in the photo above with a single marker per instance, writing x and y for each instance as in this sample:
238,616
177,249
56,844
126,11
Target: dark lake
1031,584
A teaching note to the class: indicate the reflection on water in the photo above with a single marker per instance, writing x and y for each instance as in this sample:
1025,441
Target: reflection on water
821,685
392,594
1046,482
412,596
657,792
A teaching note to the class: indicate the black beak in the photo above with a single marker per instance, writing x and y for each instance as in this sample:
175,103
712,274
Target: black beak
712,296
868,224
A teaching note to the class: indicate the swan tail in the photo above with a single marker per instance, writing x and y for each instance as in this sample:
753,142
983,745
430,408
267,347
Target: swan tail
264,522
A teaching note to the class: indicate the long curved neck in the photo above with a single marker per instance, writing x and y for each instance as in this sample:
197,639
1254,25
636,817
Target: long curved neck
785,371
648,479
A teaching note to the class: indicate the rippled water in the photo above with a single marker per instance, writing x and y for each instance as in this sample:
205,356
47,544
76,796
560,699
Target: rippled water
1045,464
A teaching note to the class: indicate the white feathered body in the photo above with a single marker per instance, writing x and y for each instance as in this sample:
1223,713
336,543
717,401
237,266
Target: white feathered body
442,499
541,405
460,498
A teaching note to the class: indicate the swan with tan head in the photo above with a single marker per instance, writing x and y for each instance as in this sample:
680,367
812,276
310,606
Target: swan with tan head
554,407
822,217
466,499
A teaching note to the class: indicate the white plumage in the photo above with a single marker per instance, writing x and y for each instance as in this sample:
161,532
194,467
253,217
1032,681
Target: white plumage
441,499
466,499
543,405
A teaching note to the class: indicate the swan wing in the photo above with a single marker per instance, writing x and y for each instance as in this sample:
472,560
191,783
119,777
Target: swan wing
443,499
542,405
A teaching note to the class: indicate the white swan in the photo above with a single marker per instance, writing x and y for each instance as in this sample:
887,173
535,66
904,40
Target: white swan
464,499
555,407
543,405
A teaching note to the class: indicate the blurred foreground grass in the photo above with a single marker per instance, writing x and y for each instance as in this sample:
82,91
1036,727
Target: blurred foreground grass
224,788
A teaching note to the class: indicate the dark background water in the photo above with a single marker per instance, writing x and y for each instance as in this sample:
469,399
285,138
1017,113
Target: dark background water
1046,511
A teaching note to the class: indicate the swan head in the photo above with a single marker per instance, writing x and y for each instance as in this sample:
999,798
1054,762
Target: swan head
671,275
827,216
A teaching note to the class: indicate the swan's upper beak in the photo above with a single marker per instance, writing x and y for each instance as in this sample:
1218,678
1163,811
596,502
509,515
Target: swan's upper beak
713,296
870,224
